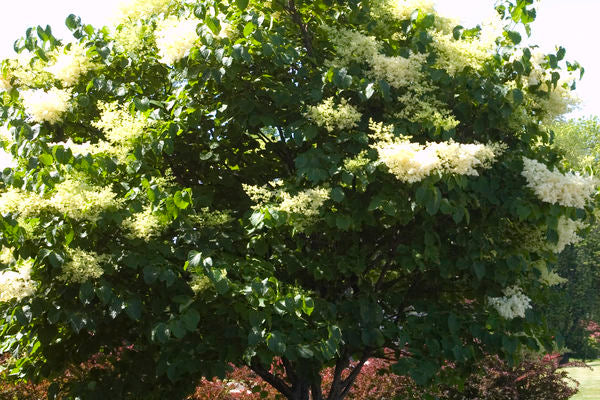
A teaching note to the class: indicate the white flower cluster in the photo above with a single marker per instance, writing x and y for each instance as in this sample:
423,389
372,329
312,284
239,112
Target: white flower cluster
70,65
72,197
302,207
513,304
567,233
455,55
83,266
549,278
139,9
144,225
398,71
175,38
332,116
351,46
80,200
46,106
15,285
4,84
402,9
569,190
399,9
412,162
6,255
117,123
24,203
305,203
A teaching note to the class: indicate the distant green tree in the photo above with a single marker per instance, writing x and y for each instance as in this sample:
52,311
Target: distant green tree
579,142
577,301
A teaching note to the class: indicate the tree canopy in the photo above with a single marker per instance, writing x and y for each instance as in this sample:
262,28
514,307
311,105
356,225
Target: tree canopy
213,182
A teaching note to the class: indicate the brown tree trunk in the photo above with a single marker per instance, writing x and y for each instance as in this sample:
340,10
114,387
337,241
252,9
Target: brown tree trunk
304,389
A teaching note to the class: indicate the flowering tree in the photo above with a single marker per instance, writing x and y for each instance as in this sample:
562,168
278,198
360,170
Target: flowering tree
308,181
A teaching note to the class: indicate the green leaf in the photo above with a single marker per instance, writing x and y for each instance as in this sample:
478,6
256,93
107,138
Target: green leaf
195,258
249,29
133,308
178,329
213,24
523,212
73,22
86,293
191,319
514,36
479,269
46,159
305,351
180,200
160,333
343,222
517,96
308,305
433,201
337,194
276,342
241,4
151,274
372,337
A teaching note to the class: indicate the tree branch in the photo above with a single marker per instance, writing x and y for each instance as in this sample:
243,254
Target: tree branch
315,387
289,370
349,381
271,379
340,366
297,18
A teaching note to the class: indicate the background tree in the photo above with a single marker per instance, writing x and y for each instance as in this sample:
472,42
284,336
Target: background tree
576,301
307,181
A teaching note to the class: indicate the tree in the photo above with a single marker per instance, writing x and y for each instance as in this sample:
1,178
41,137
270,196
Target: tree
577,140
576,301
305,181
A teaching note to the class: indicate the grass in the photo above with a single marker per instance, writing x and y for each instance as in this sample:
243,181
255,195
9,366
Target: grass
589,381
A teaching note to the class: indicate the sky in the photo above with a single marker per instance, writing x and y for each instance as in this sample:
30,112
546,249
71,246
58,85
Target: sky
569,23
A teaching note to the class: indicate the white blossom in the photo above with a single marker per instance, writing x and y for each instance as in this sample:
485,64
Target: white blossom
331,116
175,38
569,190
567,233
15,285
83,266
512,305
47,106
70,65
413,162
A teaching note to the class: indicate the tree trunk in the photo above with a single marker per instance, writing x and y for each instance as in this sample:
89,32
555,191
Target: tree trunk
304,389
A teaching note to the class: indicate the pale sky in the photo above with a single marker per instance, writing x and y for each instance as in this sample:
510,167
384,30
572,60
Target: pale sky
572,24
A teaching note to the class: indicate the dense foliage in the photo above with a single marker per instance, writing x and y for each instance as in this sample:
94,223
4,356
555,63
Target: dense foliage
219,182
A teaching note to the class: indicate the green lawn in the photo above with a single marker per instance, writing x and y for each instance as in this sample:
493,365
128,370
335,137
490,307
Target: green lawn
589,381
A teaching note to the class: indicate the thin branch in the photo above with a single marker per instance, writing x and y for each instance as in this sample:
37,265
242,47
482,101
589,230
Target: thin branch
379,282
272,380
297,18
